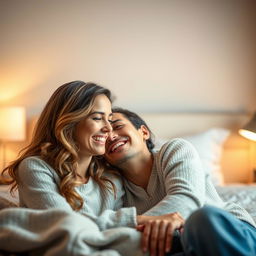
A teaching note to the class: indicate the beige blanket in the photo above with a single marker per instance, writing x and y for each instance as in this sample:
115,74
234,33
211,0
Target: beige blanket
57,232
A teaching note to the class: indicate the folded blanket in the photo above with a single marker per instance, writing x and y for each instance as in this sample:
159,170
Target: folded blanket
57,232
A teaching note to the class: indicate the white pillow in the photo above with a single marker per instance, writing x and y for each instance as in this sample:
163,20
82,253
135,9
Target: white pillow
209,146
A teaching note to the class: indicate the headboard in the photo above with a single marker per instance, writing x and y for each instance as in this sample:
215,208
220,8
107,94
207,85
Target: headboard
237,152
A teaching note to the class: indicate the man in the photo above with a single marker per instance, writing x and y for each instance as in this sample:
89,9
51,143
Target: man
172,180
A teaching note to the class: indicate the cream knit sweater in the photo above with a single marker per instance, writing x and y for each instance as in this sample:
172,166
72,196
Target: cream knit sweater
38,186
178,184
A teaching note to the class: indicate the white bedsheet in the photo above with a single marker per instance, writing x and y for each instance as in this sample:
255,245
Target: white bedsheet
244,195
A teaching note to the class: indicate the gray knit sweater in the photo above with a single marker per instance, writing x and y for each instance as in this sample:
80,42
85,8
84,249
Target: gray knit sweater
38,186
178,184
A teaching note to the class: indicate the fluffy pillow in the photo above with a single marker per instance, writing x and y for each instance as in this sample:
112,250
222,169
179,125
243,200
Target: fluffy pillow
209,146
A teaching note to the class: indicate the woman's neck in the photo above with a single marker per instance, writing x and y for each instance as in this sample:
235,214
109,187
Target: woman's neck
82,168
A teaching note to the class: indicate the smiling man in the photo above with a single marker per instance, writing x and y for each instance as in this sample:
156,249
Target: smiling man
172,181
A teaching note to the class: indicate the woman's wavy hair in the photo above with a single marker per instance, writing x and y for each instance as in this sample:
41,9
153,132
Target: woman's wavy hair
53,140
137,122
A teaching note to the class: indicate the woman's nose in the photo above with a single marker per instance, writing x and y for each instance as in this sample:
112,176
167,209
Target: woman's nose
108,127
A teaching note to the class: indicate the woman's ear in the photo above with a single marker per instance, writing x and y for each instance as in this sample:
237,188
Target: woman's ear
145,132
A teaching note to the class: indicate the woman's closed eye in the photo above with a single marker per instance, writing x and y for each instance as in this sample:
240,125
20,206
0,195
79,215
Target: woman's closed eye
100,118
97,118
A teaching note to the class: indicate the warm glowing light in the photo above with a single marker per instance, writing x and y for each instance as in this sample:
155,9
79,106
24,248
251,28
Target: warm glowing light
249,130
13,122
11,88
248,134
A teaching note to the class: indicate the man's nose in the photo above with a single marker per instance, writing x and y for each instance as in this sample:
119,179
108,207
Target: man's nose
112,136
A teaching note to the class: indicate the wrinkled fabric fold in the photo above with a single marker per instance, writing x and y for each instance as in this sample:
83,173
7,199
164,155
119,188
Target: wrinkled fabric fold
56,232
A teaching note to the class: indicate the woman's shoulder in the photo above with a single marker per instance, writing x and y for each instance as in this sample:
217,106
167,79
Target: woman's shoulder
112,175
115,177
35,165
32,161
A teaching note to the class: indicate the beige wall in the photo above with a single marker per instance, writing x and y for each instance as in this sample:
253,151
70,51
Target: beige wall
171,55
154,55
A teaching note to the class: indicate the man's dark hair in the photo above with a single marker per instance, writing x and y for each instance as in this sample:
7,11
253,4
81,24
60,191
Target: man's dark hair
137,122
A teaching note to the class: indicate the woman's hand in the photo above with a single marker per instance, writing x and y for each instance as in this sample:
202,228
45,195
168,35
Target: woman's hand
158,232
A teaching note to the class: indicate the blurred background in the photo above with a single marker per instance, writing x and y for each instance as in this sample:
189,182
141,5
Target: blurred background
155,56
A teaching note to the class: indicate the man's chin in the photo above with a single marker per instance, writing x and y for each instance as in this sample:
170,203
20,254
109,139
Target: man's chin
115,162
119,161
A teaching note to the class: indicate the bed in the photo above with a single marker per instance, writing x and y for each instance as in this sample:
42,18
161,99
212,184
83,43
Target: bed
244,195
225,155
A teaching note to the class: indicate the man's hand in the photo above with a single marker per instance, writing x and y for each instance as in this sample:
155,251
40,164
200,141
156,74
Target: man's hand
158,232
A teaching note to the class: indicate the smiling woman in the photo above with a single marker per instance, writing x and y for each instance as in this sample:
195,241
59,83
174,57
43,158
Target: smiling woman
61,168
92,132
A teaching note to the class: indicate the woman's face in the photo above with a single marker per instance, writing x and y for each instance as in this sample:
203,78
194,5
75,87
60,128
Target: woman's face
92,132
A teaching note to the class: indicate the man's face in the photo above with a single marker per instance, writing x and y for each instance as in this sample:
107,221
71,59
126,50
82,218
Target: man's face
125,141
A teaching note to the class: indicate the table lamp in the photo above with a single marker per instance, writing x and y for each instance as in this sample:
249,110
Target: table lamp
249,132
12,127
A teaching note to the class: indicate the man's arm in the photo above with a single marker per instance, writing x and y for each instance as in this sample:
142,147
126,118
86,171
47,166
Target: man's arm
182,177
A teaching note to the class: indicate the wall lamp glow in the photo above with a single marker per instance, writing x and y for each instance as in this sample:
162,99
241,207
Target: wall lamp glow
12,126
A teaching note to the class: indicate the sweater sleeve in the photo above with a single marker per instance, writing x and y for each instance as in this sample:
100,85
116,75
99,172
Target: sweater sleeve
124,217
183,178
38,186
38,189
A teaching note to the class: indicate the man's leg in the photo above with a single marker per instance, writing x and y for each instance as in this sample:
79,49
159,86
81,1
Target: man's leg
211,231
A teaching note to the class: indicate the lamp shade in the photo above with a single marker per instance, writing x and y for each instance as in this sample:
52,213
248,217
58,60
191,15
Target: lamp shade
12,123
249,130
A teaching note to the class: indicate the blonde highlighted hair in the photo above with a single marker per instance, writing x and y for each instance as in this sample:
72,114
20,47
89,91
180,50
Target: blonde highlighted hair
53,139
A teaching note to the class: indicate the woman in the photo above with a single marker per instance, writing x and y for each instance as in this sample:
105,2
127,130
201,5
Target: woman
61,167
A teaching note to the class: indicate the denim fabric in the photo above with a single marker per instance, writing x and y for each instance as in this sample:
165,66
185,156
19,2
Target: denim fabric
211,231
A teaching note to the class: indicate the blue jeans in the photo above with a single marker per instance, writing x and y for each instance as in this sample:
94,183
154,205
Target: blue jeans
211,231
